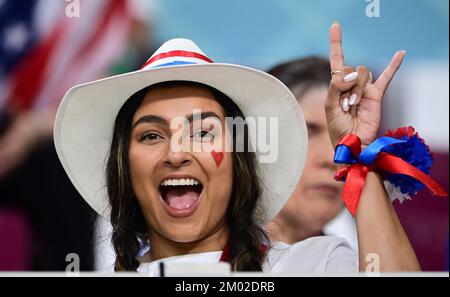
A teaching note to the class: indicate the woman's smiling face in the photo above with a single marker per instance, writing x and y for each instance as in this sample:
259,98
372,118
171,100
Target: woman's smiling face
183,194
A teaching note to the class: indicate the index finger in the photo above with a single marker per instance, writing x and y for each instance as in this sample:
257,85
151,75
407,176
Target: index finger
336,53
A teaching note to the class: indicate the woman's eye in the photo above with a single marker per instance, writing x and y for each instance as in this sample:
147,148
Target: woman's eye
151,136
202,134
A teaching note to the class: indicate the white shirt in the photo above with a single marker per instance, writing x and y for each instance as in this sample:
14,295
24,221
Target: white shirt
343,225
313,255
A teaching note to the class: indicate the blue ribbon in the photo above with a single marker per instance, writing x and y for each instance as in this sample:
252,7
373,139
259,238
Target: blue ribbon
343,154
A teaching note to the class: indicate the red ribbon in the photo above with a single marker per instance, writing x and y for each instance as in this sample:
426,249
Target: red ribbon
355,174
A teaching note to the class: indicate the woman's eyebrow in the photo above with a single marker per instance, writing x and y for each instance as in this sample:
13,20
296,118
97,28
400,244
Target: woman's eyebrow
202,115
151,119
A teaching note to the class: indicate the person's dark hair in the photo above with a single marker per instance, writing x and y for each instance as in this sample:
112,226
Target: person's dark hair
302,75
129,226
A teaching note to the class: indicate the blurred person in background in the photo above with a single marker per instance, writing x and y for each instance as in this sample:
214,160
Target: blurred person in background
40,41
315,208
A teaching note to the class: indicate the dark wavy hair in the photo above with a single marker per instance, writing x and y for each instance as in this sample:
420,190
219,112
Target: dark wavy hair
129,226
301,75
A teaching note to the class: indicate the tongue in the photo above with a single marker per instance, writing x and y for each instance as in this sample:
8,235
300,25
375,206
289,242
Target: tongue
181,197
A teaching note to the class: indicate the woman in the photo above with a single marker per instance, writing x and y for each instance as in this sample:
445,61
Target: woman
192,205
315,208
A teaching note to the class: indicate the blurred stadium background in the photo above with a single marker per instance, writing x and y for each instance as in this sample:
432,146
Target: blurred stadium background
43,52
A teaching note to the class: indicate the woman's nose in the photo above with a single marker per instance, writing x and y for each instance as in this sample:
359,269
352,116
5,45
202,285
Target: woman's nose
177,159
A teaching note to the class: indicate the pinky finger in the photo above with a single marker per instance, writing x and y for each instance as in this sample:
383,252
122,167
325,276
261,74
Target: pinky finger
386,77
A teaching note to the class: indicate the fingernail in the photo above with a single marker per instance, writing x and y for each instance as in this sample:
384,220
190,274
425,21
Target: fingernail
345,105
351,77
353,99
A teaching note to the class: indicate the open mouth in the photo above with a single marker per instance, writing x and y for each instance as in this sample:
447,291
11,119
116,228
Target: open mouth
180,193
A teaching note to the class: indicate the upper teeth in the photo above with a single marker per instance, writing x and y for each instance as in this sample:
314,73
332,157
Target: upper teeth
180,182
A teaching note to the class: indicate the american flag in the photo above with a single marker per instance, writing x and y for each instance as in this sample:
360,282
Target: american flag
47,46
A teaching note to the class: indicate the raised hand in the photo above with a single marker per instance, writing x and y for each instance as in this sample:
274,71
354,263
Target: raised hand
353,103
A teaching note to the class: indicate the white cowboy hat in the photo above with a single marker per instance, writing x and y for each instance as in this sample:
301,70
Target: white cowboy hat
86,115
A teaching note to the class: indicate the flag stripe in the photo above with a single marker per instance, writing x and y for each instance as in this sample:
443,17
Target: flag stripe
28,77
70,52
91,57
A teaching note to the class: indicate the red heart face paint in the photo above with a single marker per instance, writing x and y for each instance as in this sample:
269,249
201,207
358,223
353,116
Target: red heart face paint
218,157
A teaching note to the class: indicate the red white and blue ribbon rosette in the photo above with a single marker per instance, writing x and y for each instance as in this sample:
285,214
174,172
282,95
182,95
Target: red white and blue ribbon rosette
401,157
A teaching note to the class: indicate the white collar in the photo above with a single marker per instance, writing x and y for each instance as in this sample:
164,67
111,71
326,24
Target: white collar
152,268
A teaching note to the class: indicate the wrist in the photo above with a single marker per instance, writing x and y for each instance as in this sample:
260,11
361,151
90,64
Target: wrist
400,161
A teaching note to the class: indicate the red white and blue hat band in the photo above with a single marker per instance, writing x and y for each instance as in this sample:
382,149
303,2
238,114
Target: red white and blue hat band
176,57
